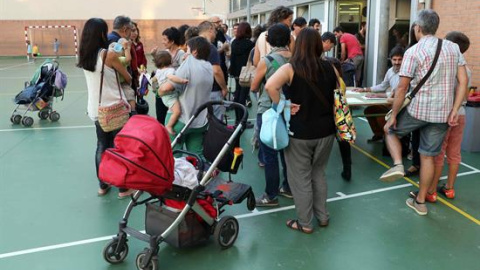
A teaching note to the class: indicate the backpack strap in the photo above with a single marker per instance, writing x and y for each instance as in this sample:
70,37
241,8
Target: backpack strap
273,64
273,61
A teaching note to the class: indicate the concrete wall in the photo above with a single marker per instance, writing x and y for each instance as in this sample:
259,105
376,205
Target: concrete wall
153,16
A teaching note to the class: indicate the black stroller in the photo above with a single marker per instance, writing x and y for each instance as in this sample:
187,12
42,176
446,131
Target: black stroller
47,83
175,214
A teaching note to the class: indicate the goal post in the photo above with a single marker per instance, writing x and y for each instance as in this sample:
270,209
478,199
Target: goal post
66,41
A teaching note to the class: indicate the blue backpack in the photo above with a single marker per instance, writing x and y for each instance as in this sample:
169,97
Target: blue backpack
275,126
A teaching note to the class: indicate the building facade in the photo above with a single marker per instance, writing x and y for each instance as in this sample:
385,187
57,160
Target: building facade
388,23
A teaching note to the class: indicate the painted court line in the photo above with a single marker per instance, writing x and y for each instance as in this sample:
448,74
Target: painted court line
28,78
67,127
66,93
253,214
40,249
475,170
342,196
470,167
14,66
461,174
44,128
445,202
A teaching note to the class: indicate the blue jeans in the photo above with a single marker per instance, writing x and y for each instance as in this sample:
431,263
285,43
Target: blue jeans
218,111
269,157
104,141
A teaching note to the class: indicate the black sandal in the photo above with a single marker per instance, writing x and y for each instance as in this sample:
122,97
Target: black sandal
409,173
298,227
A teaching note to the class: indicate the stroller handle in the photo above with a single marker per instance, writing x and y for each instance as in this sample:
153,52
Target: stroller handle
209,105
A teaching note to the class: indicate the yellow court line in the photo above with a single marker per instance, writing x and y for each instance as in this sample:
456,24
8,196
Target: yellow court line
445,202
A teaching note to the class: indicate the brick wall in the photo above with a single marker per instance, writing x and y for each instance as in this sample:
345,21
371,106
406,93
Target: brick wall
13,40
463,16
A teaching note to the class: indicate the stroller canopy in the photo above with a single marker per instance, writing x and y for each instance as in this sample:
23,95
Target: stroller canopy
142,158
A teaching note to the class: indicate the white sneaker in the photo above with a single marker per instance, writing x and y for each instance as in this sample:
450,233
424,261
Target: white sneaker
393,173
420,208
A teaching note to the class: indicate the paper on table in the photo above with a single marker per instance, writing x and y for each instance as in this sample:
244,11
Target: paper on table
366,97
354,100
350,91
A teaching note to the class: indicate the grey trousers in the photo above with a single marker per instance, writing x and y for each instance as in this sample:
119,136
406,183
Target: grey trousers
306,162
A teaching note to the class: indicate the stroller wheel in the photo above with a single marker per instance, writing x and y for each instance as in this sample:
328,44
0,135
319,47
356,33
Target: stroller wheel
16,119
54,116
140,261
112,255
226,231
251,204
43,114
27,121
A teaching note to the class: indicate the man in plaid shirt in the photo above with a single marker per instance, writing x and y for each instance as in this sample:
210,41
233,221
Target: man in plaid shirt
434,107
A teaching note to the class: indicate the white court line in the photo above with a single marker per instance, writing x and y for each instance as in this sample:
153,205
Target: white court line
44,128
470,167
461,174
66,92
341,194
329,200
40,249
28,78
71,127
253,214
363,119
474,170
14,66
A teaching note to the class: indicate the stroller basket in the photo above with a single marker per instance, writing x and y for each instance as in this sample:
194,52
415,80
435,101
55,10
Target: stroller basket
190,232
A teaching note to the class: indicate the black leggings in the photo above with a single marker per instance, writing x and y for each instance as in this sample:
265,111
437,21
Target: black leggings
104,141
161,110
345,152
239,96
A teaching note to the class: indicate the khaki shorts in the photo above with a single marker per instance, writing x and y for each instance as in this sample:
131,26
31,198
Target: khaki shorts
431,134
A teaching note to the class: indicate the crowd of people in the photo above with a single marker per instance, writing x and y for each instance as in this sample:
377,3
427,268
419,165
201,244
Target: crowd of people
289,55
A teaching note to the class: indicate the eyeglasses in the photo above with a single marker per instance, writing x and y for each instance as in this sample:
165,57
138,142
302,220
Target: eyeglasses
217,22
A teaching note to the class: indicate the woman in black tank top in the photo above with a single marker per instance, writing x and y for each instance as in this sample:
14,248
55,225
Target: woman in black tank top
311,83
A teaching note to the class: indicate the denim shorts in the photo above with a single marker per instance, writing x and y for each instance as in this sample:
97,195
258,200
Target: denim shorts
431,134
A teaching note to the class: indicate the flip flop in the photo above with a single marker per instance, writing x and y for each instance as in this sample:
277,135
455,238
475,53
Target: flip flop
126,194
294,225
103,191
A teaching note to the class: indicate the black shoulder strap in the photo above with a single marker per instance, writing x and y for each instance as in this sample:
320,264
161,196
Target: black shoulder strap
425,78
104,58
101,75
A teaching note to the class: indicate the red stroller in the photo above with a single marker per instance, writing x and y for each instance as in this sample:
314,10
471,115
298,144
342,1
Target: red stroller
143,159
